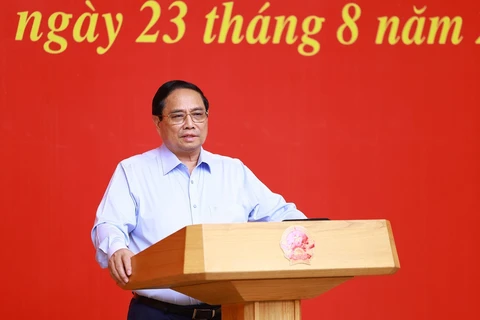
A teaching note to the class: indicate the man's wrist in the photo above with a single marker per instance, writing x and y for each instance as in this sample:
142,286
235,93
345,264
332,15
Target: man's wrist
114,247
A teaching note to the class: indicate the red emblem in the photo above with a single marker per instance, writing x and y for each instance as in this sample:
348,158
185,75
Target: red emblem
297,245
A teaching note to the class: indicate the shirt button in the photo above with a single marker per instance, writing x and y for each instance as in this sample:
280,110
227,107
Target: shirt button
191,181
194,205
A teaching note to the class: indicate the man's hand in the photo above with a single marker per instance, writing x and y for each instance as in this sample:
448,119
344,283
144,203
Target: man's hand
120,266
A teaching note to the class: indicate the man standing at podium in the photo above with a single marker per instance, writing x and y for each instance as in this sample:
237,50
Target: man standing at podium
153,194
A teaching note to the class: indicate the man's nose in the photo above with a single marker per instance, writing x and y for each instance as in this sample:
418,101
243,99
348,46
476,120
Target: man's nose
189,121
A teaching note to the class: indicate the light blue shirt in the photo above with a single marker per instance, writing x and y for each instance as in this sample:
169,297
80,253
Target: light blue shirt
152,195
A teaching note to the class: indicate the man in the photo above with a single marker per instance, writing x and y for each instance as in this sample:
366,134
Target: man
154,194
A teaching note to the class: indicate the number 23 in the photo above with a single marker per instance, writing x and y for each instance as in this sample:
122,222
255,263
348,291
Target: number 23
156,10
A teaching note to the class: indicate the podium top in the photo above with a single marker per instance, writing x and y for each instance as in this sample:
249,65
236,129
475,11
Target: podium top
208,253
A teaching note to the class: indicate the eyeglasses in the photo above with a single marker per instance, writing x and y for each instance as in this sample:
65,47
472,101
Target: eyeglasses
198,116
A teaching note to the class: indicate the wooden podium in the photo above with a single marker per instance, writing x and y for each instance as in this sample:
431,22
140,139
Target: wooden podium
262,270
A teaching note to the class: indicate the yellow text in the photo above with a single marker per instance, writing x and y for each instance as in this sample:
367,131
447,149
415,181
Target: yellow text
418,30
85,28
257,30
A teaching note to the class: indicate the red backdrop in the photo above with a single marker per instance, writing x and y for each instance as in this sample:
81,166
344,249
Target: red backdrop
354,131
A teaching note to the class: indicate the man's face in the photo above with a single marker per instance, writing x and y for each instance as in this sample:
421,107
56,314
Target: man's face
188,136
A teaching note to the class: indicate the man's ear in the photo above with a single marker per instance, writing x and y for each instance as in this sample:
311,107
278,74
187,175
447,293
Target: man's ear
156,120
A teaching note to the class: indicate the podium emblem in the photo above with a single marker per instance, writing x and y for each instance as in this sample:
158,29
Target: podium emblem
297,245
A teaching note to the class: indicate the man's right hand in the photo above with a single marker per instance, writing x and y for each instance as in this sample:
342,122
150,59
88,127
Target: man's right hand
120,266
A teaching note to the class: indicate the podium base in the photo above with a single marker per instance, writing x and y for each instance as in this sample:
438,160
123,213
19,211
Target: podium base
265,310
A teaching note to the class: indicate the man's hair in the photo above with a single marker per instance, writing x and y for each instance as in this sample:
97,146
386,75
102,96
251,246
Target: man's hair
166,89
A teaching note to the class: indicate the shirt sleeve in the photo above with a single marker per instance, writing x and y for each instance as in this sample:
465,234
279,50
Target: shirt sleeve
267,205
115,217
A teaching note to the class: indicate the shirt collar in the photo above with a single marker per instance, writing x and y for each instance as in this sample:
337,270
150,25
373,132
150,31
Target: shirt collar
170,161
